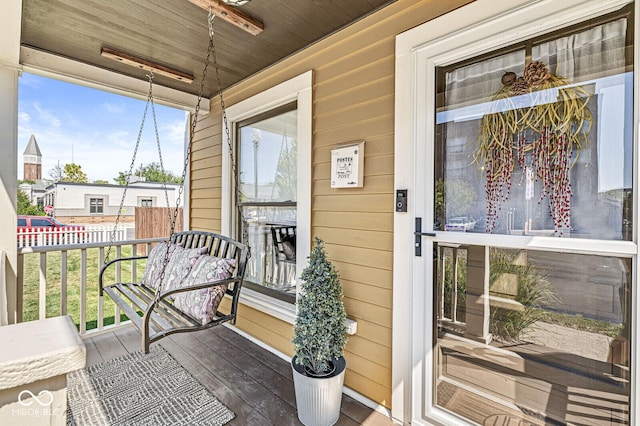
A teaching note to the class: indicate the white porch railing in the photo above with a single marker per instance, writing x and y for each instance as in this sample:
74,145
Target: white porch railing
70,286
451,309
70,235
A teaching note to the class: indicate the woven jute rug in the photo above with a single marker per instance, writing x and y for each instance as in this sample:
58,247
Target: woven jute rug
138,389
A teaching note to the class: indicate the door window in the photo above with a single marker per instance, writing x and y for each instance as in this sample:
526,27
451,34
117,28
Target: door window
536,140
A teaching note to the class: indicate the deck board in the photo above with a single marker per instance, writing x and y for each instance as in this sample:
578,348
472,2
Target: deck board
277,382
93,356
254,383
245,413
233,375
108,347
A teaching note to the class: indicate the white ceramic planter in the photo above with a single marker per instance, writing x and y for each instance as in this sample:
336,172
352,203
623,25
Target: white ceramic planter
318,399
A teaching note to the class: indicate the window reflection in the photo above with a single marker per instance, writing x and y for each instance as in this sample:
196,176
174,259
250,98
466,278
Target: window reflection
267,176
551,346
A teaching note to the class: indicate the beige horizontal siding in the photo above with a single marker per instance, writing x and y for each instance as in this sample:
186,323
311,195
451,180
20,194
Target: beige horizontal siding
374,277
374,391
353,99
207,163
204,185
374,240
205,223
366,293
354,202
277,333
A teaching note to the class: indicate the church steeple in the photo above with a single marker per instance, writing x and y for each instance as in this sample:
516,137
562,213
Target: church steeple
32,161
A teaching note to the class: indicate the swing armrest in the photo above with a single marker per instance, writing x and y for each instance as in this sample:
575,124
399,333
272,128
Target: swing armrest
200,286
111,262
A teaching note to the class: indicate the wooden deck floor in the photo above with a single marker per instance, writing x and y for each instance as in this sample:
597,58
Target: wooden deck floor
254,383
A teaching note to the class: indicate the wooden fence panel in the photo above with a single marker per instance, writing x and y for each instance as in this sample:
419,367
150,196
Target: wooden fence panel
154,222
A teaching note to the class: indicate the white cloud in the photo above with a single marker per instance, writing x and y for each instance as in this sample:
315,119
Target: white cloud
113,108
46,116
174,132
29,81
23,118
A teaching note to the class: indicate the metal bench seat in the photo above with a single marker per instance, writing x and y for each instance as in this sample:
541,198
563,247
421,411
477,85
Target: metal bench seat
158,317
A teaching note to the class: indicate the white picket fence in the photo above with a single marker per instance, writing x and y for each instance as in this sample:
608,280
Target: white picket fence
71,235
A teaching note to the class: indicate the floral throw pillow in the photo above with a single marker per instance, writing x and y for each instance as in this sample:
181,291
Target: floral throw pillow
179,266
202,304
155,262
289,247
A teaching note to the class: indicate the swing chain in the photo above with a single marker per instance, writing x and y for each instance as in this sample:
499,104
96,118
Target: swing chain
155,127
194,123
210,19
150,76
229,142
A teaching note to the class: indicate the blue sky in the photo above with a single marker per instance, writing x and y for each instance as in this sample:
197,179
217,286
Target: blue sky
95,129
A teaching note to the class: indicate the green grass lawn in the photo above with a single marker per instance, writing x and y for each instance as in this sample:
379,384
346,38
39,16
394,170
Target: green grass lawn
31,286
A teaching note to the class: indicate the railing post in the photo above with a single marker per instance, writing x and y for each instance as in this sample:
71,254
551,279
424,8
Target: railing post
477,301
42,289
443,277
83,291
116,319
100,299
454,289
19,287
63,282
134,252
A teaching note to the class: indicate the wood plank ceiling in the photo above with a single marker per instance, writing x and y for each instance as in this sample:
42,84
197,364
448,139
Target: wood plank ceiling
174,34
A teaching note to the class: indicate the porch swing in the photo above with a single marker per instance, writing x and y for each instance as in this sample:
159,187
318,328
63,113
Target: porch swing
187,276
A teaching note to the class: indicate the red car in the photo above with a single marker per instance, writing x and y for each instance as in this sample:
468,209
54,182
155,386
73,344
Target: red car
28,226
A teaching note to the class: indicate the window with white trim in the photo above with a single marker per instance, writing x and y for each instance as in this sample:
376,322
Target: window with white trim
288,107
96,205
267,175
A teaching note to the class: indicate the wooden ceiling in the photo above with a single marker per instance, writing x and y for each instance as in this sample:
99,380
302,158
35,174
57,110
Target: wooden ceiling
174,34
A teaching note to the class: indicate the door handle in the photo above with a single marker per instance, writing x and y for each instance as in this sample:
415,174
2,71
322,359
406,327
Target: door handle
425,234
418,234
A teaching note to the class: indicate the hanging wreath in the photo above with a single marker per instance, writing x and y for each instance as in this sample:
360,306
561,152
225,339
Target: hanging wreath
538,121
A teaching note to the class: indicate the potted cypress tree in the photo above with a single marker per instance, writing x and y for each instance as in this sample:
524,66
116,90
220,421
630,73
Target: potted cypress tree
319,339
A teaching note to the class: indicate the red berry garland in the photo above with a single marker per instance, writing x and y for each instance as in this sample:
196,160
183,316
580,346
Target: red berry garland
557,129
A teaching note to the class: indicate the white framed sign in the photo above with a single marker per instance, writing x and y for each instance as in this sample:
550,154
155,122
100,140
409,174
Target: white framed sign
347,165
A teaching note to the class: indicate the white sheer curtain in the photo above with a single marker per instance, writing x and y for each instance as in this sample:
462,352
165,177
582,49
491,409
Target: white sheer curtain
575,57
478,82
586,54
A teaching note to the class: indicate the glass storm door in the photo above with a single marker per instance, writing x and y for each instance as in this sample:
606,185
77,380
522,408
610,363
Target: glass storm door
524,164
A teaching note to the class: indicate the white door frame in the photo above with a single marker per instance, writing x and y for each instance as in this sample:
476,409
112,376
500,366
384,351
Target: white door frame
477,28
